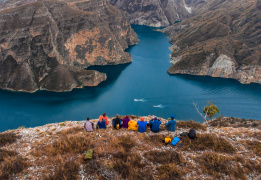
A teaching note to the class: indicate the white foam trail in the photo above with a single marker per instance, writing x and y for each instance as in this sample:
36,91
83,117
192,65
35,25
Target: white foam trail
158,106
140,100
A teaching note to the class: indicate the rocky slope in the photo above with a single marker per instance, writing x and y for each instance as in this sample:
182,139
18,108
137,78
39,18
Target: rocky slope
223,39
47,44
56,151
156,12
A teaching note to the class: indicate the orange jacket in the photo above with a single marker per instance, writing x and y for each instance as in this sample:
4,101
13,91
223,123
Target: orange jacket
133,125
106,119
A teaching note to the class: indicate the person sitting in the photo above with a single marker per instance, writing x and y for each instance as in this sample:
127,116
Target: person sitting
142,125
149,124
117,122
88,125
125,120
133,125
155,125
102,124
105,118
171,125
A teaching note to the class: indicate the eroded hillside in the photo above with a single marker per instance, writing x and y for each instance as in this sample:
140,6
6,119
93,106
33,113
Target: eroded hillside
47,44
222,40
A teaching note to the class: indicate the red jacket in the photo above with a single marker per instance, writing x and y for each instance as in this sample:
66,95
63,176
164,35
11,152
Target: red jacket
105,118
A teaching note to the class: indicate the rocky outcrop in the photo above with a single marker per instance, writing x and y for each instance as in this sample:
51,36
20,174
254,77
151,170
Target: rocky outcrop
156,12
223,40
47,44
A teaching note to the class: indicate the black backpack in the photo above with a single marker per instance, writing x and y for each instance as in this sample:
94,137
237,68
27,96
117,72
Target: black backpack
192,134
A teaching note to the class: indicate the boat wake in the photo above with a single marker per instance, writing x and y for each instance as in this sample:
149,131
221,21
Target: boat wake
158,106
140,100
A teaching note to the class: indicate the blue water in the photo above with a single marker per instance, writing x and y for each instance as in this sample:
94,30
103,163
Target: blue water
146,80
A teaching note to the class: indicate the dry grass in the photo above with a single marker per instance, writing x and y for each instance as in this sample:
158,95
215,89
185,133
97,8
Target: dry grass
216,165
207,142
164,157
8,138
125,141
125,154
155,140
11,163
190,124
169,171
65,169
255,146
235,122
69,144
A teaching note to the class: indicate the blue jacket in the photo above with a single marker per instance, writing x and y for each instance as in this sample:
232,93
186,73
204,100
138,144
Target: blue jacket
102,124
155,125
142,126
171,125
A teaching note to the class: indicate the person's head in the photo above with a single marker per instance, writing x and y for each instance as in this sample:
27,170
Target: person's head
88,118
117,116
142,118
104,114
155,118
172,117
132,117
126,117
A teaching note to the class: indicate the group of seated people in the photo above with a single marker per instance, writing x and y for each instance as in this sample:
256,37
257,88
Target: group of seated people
131,124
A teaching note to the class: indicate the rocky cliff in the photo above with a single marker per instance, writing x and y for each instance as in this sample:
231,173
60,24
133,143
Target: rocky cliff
156,12
47,44
223,39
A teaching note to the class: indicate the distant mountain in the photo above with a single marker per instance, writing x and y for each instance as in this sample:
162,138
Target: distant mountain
221,39
47,44
156,12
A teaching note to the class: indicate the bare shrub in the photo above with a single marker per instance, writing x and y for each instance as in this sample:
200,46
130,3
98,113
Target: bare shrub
190,124
164,157
216,165
206,142
169,171
8,138
11,163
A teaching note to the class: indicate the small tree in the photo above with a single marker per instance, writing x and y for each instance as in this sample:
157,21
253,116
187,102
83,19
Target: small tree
211,110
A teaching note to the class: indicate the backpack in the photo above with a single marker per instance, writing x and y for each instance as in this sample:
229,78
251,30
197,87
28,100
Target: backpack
167,140
192,134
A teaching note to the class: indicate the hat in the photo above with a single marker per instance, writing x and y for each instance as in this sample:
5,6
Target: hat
155,118
172,117
142,118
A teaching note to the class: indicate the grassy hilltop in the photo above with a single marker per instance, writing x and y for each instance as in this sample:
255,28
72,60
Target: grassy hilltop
229,149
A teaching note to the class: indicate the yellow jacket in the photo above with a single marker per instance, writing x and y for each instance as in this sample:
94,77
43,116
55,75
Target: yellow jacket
133,125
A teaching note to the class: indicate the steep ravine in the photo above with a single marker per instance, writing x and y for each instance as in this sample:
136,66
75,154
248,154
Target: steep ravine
48,44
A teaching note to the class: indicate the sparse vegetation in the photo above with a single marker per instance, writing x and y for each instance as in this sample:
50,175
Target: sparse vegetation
207,142
8,138
11,163
125,154
211,110
217,165
190,124
164,157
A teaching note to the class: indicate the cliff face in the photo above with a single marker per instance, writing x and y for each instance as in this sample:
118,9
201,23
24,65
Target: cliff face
47,44
156,12
223,40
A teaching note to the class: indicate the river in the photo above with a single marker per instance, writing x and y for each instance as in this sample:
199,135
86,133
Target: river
134,89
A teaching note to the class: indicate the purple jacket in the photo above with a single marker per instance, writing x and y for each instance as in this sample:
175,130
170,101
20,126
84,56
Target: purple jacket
125,122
